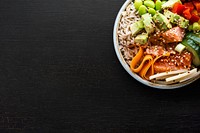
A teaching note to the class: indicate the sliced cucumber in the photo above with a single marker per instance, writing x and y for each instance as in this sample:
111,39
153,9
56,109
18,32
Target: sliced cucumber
194,37
194,49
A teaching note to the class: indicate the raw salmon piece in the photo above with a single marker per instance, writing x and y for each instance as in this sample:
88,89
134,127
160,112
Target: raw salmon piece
173,62
175,34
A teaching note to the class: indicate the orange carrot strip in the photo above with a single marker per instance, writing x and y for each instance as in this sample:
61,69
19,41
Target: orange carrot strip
135,61
148,68
147,63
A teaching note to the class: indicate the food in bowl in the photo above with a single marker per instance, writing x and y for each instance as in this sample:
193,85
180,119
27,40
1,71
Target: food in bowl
160,40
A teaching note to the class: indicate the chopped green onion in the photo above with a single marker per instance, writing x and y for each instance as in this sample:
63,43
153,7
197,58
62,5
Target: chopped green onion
180,47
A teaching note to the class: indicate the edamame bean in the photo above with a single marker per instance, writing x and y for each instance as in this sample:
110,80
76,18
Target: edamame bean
158,5
142,10
196,26
137,4
190,27
150,4
152,11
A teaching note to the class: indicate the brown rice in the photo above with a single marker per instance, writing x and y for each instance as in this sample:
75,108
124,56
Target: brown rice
128,17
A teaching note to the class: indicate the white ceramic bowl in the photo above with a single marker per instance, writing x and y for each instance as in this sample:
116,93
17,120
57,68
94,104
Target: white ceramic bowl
127,68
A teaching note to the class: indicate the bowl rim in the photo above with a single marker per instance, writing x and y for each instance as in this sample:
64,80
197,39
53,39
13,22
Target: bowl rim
127,68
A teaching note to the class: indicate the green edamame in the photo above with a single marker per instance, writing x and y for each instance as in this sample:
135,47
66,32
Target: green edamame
142,10
137,4
152,11
196,26
150,4
158,5
190,27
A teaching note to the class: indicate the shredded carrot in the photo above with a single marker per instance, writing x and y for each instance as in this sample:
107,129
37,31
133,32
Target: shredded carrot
144,66
135,61
147,63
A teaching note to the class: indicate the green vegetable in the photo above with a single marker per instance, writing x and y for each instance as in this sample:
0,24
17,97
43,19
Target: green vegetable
183,23
196,27
194,37
148,23
149,4
136,27
161,21
137,4
142,38
169,4
194,49
158,5
190,27
180,47
176,19
152,11
142,10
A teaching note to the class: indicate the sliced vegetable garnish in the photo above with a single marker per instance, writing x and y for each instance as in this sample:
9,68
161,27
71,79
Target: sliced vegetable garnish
194,49
148,59
193,75
180,47
194,37
164,74
181,76
135,61
143,66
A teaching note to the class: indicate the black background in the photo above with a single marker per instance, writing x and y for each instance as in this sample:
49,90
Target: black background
59,73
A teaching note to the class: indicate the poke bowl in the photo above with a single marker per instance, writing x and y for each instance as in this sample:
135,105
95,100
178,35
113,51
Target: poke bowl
157,43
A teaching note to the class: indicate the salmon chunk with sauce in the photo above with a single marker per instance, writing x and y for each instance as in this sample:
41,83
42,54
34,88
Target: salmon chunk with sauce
173,62
175,34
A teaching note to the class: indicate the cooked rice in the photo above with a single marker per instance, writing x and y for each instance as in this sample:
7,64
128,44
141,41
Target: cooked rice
126,40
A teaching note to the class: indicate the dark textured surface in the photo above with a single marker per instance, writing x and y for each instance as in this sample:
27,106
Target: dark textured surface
59,73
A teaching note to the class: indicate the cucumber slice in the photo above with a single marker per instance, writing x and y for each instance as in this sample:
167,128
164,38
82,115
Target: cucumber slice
194,49
194,37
